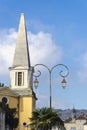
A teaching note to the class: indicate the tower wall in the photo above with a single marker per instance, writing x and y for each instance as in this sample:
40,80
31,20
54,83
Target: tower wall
26,106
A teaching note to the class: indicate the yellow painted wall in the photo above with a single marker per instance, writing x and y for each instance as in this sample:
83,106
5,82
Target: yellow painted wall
12,100
25,112
24,105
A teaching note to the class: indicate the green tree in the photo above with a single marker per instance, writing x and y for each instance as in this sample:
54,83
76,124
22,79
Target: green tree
10,118
45,119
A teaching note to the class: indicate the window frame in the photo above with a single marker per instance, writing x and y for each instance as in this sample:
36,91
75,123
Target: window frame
19,76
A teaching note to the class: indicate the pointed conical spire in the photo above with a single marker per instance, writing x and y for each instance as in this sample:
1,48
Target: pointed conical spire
21,56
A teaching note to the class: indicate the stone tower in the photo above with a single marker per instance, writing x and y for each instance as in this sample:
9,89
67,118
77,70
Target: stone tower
21,76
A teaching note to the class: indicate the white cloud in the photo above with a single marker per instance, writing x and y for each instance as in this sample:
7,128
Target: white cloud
43,49
7,41
36,26
41,45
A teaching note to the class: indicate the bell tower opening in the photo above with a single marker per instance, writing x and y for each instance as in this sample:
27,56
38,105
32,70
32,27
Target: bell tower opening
19,78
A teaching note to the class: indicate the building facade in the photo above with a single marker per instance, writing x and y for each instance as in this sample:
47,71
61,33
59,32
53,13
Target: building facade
76,123
20,94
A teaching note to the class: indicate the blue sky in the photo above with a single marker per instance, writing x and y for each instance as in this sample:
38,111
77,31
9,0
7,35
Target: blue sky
57,33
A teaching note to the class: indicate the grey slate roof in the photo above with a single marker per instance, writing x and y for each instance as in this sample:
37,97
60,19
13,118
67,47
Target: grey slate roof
23,92
11,91
21,56
17,92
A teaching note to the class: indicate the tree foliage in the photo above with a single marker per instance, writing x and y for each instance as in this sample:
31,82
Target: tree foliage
10,113
45,119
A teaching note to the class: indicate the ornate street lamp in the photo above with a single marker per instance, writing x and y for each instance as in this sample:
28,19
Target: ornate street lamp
36,82
50,77
63,83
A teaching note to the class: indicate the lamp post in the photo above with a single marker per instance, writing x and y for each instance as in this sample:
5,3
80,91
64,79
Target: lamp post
50,77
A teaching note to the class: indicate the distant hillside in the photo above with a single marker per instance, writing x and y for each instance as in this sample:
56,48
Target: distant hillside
65,114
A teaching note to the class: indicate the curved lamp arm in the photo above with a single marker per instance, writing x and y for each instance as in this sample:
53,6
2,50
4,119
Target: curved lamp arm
50,72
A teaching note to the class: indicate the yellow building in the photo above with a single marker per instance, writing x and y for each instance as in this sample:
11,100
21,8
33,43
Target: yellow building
20,94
